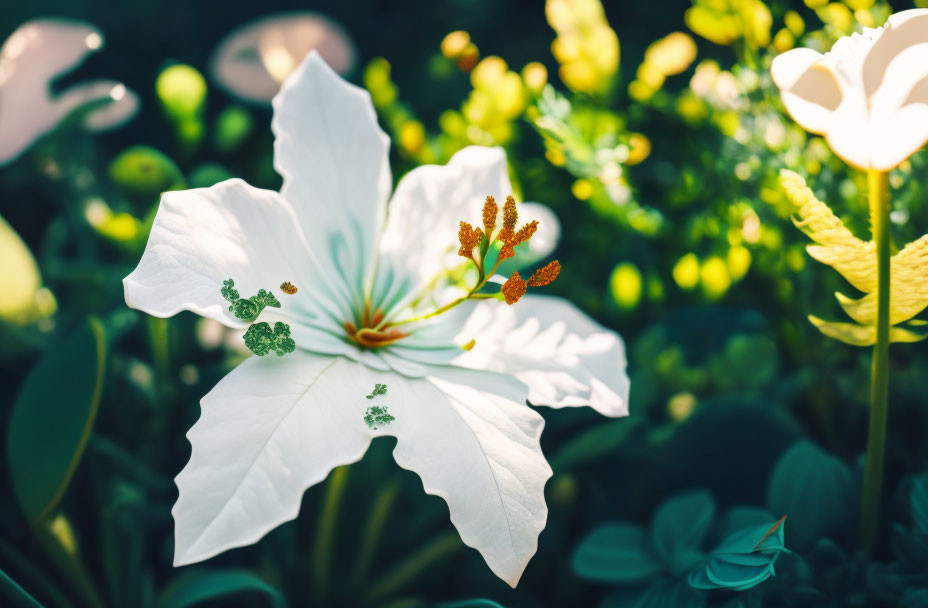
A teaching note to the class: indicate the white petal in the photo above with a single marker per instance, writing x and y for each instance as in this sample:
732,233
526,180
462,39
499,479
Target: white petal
431,201
204,236
474,442
903,31
564,357
545,239
810,91
850,131
269,430
899,135
334,160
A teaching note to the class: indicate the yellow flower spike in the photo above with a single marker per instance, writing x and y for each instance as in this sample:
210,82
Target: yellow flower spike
794,23
714,277
672,54
784,41
454,44
639,149
686,272
625,283
535,76
586,47
856,260
412,136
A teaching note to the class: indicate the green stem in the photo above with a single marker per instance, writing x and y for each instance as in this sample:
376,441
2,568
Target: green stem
325,533
879,380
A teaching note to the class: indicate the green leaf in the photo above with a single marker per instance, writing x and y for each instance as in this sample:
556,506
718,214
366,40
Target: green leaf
475,603
616,553
17,597
52,418
192,588
679,527
815,490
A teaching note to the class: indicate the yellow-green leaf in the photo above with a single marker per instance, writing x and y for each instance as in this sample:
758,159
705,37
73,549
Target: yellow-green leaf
836,246
862,335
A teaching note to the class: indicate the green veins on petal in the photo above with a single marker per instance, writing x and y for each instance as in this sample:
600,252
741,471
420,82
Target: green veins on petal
259,338
247,309
377,416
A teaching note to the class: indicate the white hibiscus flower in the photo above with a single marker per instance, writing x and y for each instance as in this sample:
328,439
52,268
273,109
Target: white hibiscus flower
369,335
868,96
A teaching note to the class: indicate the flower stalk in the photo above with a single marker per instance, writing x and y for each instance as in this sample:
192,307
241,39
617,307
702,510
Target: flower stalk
878,182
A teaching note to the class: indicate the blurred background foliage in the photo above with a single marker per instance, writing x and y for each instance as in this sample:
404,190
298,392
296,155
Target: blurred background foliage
654,133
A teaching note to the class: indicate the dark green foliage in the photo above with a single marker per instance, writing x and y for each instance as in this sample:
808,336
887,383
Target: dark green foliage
52,417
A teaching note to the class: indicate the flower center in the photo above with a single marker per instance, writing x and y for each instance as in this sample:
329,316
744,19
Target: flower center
486,248
373,332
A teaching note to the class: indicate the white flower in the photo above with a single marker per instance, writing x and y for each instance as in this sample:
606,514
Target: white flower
277,425
868,96
256,58
34,55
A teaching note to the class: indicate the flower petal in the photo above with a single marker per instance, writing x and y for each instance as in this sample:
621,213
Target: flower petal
565,357
474,442
810,91
903,31
269,430
204,236
431,201
334,160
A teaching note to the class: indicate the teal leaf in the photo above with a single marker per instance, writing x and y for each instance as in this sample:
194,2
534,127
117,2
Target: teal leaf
918,502
680,526
616,553
743,560
52,418
17,597
198,586
816,490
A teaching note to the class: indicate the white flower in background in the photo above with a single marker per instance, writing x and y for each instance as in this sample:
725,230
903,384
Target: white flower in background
868,96
33,56
255,59
360,303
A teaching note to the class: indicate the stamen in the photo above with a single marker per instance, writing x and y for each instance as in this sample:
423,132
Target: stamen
525,232
490,211
514,288
288,288
469,345
510,214
469,238
545,275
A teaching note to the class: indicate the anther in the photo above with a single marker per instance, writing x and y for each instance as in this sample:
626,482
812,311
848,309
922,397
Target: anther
469,238
288,288
514,288
545,275
490,211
